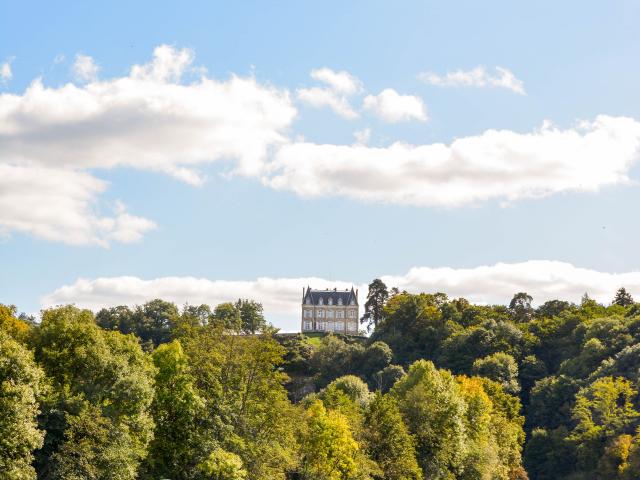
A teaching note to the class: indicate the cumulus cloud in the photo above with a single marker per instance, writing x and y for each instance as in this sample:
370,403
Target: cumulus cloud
147,120
392,107
85,69
477,77
324,97
340,82
497,164
339,86
281,297
60,205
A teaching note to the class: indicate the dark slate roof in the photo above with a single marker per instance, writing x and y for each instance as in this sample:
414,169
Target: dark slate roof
334,294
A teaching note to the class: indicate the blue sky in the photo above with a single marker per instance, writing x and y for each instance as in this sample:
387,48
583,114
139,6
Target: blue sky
576,61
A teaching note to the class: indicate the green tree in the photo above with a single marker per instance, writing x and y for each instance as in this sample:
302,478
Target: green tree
520,307
602,411
482,459
548,454
227,316
97,414
21,383
374,306
501,368
623,298
251,316
434,410
388,440
179,443
222,465
353,387
11,325
375,357
328,449
152,322
387,377
247,409
552,308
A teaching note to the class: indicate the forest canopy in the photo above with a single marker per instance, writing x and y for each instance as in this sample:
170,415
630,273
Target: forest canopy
441,389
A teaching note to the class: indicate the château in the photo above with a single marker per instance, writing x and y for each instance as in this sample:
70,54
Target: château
330,310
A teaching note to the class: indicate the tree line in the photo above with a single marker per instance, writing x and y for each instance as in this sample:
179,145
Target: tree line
441,389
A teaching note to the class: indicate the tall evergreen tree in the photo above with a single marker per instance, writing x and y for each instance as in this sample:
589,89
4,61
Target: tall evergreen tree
374,307
623,298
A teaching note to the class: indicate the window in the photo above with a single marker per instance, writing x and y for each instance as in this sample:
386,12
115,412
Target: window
330,301
339,325
320,301
352,302
352,314
329,313
352,326
320,313
340,301
307,301
307,325
340,314
307,314
320,325
329,326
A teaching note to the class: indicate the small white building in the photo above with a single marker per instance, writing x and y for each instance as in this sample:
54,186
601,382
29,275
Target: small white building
330,311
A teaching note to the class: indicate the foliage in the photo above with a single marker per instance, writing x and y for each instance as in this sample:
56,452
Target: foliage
102,390
222,465
374,306
389,443
327,446
434,410
180,441
501,368
202,392
21,383
623,298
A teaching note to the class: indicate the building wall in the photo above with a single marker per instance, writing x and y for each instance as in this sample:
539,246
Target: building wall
330,318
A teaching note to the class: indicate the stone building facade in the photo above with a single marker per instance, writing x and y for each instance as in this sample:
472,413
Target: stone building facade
330,311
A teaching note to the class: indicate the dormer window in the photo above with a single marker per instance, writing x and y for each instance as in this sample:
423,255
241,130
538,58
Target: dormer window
352,302
339,301
320,301
330,301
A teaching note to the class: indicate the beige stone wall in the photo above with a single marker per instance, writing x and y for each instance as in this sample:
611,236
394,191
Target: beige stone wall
327,315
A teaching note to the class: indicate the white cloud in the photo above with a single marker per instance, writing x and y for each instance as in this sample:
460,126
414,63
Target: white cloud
281,297
477,77
85,69
341,82
323,97
149,120
335,95
393,107
496,284
146,120
5,71
497,164
60,205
